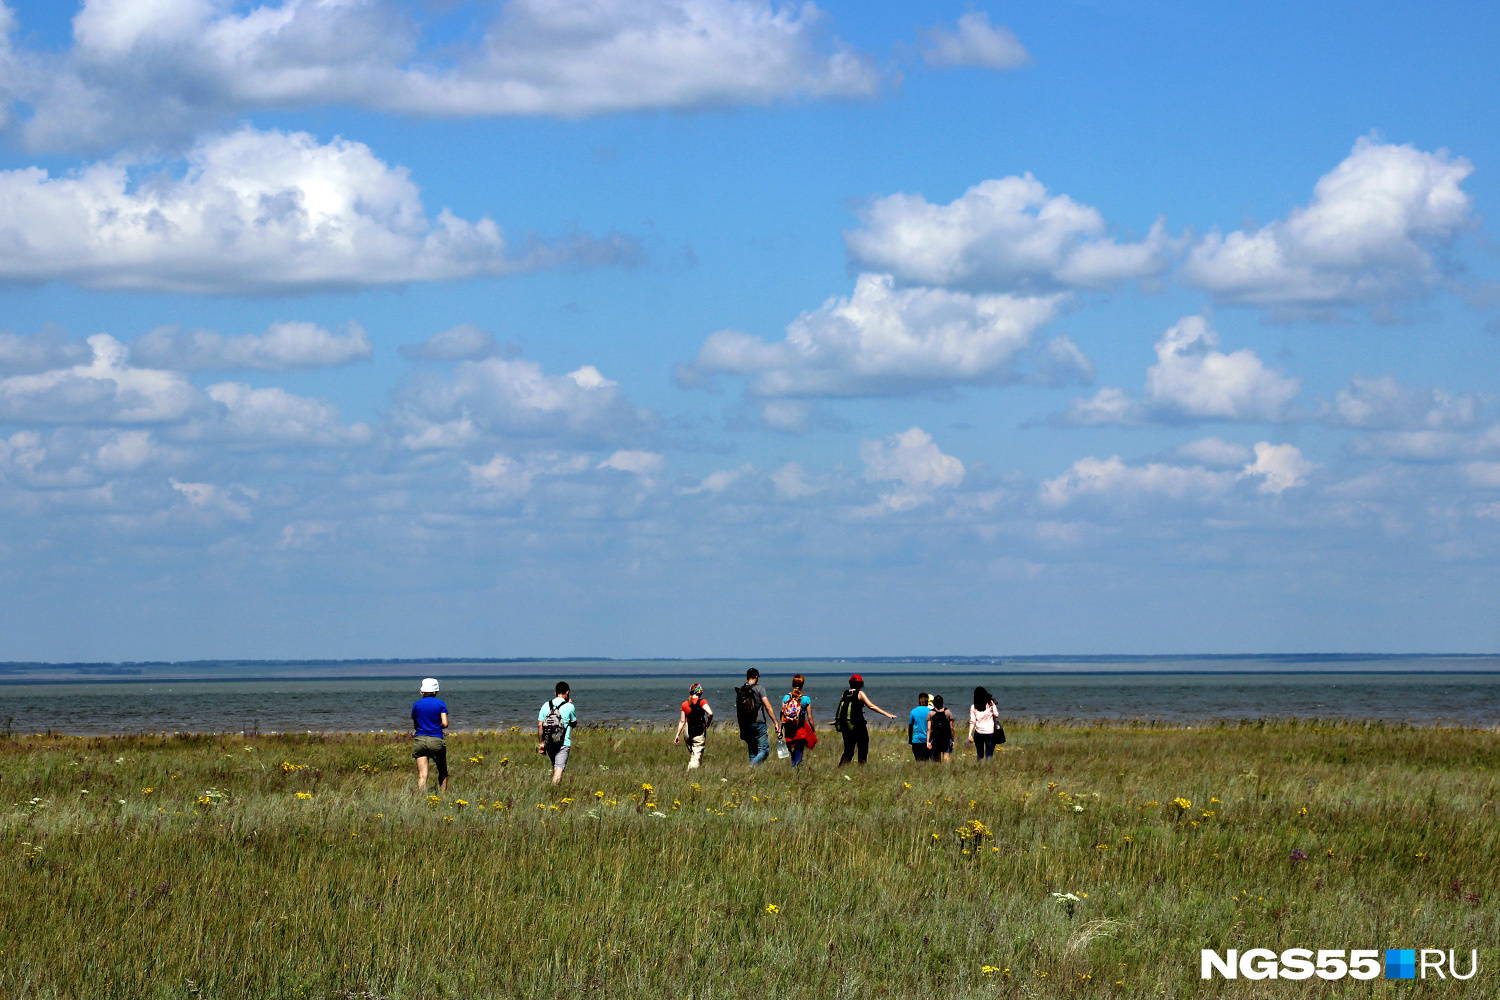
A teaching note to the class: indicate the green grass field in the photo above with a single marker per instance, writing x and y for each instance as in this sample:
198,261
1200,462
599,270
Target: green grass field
304,867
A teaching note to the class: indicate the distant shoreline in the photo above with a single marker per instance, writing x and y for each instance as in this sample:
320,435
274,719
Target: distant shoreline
573,676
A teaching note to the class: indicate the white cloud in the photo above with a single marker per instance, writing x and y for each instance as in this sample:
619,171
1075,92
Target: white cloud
1384,404
72,458
888,341
273,417
1485,475
254,212
143,71
1112,477
641,463
231,501
1429,445
915,462
791,481
513,398
1001,235
104,390
283,347
1281,467
716,482
974,41
464,342
47,349
1192,380
1367,237
1215,452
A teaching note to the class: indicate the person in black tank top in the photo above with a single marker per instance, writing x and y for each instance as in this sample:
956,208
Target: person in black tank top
850,720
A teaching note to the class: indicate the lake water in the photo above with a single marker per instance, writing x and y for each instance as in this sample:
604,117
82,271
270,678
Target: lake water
343,704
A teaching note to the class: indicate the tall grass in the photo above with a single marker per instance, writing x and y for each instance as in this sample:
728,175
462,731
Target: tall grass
304,866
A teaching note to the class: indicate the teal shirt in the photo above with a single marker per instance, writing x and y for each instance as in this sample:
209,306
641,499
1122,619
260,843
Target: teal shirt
919,723
569,717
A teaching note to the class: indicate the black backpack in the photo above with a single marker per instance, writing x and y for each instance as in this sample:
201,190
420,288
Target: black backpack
746,706
843,719
553,729
698,719
939,730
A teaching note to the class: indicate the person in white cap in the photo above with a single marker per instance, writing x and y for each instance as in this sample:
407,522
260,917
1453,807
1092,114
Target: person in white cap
429,717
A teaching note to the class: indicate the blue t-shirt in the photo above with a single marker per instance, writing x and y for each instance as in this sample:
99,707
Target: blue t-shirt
567,711
919,723
427,716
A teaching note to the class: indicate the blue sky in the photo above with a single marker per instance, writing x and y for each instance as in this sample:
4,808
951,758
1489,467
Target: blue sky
722,328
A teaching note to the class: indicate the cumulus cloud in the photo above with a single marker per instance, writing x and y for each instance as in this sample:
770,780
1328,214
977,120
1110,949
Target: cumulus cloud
1370,236
1001,235
1384,404
159,71
716,482
512,398
254,212
641,463
1215,452
1278,468
791,481
47,349
72,458
1112,477
464,342
974,41
885,341
283,347
106,389
1429,445
1193,380
914,462
273,417
214,499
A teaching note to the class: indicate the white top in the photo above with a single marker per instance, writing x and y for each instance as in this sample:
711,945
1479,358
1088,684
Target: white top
984,722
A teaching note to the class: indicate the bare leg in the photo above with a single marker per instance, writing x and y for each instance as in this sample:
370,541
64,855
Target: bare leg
557,775
421,774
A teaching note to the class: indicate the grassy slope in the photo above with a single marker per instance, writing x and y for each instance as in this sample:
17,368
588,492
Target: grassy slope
365,890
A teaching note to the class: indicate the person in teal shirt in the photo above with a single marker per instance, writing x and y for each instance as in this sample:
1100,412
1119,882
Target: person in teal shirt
554,729
916,728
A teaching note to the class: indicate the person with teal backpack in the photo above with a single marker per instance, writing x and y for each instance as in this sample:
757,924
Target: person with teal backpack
850,720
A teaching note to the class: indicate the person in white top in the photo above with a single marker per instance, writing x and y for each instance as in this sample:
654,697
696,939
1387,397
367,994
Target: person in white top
985,731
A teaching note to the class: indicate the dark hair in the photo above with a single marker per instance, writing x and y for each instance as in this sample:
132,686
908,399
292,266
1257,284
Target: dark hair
981,699
920,696
937,701
798,680
751,674
562,687
856,684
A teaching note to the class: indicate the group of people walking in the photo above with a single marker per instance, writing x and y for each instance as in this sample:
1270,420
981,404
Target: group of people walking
930,727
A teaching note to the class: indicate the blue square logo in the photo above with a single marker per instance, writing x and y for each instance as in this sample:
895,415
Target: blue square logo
1401,963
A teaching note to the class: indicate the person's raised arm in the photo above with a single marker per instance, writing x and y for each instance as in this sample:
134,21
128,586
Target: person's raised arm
874,707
